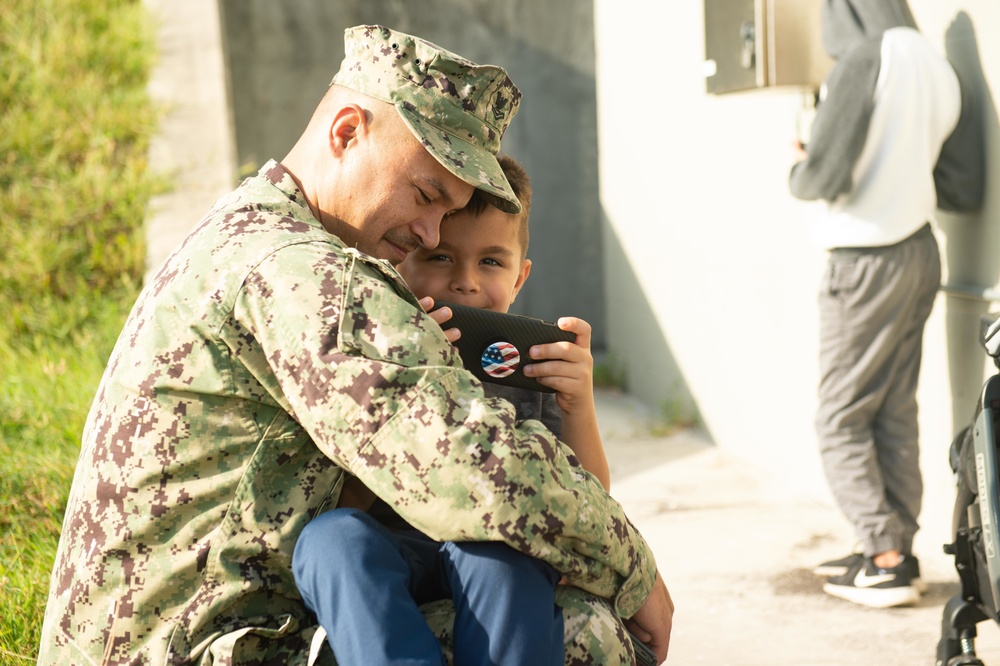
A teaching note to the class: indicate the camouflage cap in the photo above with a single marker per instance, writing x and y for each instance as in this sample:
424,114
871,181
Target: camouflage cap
459,110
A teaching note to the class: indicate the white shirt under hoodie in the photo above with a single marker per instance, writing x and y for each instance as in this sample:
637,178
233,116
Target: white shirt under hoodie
893,194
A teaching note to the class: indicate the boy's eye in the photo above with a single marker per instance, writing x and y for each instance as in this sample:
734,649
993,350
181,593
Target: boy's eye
490,261
439,257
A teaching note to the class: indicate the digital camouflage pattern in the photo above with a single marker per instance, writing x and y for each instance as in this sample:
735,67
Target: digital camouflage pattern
263,362
459,110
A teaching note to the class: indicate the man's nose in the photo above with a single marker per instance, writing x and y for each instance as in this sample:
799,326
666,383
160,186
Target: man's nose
428,230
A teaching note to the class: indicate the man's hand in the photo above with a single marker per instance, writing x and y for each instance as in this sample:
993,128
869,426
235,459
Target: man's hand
652,622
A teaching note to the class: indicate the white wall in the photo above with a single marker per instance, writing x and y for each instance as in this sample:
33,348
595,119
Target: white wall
707,242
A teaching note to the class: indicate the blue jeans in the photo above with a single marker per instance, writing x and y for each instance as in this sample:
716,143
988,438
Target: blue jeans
365,584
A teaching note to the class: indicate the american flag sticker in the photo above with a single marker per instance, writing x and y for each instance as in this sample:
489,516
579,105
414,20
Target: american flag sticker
500,359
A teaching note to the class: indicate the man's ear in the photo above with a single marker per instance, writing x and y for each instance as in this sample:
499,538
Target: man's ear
349,123
521,277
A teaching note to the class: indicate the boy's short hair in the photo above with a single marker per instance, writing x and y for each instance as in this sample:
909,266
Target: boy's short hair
521,184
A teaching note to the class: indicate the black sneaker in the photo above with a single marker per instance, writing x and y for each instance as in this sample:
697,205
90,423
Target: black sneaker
838,567
915,578
844,564
868,584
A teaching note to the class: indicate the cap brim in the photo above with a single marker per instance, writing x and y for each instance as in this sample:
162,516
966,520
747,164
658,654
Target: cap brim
474,165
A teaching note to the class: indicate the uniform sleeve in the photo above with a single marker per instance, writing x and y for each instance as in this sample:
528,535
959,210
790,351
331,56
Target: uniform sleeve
840,127
375,383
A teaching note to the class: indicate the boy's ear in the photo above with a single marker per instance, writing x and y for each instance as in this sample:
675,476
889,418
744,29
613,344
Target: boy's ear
521,277
349,123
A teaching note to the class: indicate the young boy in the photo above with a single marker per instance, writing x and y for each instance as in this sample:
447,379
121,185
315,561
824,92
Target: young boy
481,261
505,611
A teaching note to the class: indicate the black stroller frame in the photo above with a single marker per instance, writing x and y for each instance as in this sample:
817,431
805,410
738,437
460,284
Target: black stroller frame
976,519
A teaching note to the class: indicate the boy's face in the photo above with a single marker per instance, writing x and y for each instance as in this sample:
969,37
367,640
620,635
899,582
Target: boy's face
477,263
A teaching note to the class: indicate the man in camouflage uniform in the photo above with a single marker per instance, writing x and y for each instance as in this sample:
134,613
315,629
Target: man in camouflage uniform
276,352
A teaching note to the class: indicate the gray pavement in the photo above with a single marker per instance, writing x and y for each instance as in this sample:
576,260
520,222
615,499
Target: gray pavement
736,548
734,543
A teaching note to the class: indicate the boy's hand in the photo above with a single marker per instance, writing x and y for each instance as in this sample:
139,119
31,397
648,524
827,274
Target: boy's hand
566,367
441,315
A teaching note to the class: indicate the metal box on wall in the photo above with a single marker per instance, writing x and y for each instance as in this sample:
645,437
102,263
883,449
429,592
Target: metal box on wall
751,44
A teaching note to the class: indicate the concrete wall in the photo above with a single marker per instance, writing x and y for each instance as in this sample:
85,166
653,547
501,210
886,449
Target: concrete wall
281,57
193,149
712,255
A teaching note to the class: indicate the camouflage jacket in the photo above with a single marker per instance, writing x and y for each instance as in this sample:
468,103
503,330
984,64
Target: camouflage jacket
262,361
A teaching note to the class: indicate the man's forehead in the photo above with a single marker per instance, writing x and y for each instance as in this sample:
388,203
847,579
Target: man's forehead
424,170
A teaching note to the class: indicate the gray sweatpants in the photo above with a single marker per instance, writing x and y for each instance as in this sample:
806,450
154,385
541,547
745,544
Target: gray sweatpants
873,305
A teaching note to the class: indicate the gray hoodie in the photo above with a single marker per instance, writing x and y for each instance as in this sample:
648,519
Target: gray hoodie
849,23
852,32
852,35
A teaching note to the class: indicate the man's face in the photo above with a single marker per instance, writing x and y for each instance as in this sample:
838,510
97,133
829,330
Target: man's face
477,263
395,197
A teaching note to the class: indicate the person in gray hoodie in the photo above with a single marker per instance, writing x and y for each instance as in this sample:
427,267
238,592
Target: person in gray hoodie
887,108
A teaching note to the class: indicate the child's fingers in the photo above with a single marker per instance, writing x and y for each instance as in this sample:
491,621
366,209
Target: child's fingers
572,382
561,385
571,393
577,351
578,326
565,351
441,315
560,371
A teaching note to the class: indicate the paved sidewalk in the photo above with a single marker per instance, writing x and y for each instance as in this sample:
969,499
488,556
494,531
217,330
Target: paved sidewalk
736,549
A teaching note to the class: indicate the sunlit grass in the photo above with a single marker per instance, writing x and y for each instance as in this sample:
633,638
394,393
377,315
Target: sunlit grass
74,127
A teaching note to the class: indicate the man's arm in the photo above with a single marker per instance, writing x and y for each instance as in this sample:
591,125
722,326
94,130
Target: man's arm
653,621
383,394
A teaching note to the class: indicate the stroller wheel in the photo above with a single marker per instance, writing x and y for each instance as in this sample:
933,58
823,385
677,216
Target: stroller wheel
965,660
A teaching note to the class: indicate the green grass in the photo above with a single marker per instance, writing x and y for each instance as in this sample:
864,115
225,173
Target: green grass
75,122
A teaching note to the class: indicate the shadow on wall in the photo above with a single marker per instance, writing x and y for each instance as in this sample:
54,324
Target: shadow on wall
651,373
281,57
973,264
